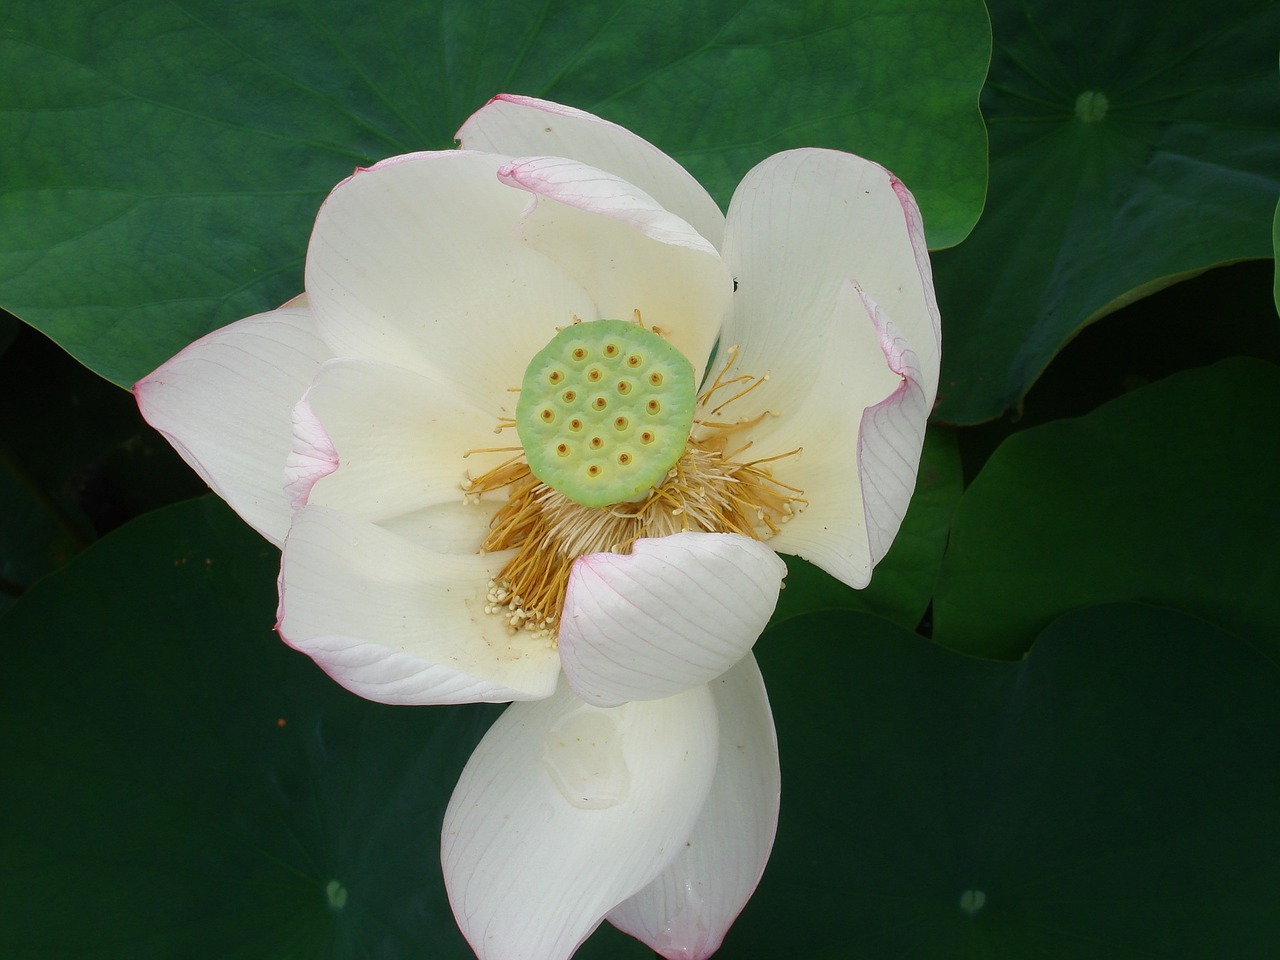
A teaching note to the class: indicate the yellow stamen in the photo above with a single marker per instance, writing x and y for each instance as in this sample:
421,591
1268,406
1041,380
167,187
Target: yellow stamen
708,490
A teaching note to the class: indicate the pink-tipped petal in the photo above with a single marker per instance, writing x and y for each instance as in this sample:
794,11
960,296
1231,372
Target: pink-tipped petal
822,417
415,262
312,458
225,403
804,222
828,248
685,913
890,438
593,190
525,126
566,810
676,612
920,249
625,250
397,622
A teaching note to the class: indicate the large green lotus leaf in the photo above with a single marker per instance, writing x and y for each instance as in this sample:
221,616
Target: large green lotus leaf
1166,495
178,783
1132,145
164,160
903,582
1113,796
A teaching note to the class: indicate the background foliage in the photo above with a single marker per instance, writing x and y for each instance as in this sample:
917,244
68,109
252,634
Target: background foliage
1046,729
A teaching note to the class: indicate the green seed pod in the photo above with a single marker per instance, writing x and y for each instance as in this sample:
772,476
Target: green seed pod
605,411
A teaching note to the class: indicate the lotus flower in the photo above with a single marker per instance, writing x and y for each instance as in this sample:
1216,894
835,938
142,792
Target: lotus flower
536,432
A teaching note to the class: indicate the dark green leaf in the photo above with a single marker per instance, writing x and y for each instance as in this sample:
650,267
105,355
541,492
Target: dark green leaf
34,538
164,160
1132,145
76,460
1170,495
1111,797
178,783
9,327
1275,245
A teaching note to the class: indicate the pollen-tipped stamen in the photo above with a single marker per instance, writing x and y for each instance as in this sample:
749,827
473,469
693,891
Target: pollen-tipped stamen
706,489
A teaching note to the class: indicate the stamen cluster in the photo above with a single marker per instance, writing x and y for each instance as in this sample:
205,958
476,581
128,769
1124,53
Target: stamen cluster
709,490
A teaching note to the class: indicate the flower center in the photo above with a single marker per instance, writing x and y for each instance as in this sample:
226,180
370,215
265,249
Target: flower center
604,411
689,472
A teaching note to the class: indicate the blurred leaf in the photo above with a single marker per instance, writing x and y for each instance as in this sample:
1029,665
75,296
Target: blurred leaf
76,460
1132,145
9,327
166,159
178,783
1168,495
1111,797
34,538
1146,341
903,581
1275,247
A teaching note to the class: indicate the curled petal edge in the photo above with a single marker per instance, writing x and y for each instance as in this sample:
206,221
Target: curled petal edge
312,458
890,437
605,194
521,126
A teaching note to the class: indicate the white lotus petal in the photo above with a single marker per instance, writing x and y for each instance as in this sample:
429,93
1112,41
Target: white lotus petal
565,810
823,418
225,404
685,913
597,191
456,527
674,613
827,247
524,126
800,225
890,439
312,458
398,623
625,250
415,262
399,439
